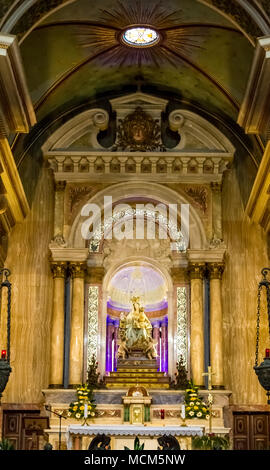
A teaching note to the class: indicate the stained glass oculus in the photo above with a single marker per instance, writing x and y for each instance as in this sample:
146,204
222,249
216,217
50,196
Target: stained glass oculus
140,36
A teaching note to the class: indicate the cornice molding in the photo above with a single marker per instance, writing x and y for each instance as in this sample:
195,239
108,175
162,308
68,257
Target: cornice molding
254,115
258,207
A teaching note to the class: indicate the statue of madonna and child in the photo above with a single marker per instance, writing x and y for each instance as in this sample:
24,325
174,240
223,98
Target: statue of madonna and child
136,332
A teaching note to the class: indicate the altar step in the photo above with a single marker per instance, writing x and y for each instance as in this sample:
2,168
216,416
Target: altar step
127,377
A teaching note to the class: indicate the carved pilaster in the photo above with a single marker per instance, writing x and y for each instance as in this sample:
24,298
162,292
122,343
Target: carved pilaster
217,233
95,275
59,209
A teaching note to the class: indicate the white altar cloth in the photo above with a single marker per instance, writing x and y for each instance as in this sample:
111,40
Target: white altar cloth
132,430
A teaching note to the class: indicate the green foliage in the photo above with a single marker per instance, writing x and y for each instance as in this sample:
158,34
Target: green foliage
93,376
181,380
137,445
210,442
5,444
84,396
195,407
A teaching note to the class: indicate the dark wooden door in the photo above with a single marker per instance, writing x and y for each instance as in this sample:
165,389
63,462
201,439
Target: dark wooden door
13,428
251,431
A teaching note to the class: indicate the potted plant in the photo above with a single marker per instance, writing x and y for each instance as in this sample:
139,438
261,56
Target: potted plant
195,407
5,444
210,442
137,445
84,397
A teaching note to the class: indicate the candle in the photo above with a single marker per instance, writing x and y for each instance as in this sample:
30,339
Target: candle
183,411
162,414
3,354
267,353
85,414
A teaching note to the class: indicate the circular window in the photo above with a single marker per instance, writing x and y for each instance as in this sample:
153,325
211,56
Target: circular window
140,36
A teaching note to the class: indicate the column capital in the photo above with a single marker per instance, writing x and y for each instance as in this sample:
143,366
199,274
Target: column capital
58,269
60,185
215,270
77,269
216,187
196,270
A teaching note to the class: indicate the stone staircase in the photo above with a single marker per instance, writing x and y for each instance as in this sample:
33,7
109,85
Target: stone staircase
137,370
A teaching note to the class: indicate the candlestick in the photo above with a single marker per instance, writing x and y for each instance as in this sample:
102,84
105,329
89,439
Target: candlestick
85,414
183,411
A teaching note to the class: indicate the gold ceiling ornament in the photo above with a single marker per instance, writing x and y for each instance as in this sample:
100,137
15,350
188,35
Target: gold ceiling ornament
139,33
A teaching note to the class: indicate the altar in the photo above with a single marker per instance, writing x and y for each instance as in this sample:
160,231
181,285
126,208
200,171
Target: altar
80,436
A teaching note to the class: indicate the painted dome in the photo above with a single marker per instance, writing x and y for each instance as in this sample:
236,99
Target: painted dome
142,281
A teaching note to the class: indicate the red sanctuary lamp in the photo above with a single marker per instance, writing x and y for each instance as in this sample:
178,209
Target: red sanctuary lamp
5,368
263,370
4,355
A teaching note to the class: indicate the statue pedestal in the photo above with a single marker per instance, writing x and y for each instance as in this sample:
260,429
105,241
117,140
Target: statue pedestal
137,369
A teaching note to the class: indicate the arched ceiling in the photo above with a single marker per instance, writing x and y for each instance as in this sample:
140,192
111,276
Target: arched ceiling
63,75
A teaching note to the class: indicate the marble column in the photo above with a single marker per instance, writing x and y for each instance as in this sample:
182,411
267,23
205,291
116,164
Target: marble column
164,346
59,209
77,324
196,274
110,331
156,340
58,322
216,327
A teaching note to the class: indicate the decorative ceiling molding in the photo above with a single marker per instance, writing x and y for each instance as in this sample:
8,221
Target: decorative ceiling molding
12,187
89,122
16,110
242,14
22,17
258,207
254,115
202,154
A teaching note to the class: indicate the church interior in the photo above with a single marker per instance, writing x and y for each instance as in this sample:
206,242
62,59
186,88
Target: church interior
135,224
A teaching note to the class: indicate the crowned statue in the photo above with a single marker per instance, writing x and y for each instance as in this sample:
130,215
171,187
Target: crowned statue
136,332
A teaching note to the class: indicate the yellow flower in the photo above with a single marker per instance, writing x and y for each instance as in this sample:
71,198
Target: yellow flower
74,408
196,407
82,407
192,398
204,409
188,408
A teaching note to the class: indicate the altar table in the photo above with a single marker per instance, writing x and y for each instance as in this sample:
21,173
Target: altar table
125,434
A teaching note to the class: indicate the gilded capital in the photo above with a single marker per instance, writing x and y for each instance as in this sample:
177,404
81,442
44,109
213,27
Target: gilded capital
216,187
77,270
215,270
196,270
59,269
96,274
59,185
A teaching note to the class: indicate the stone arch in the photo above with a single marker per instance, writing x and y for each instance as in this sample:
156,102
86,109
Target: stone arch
149,192
156,265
